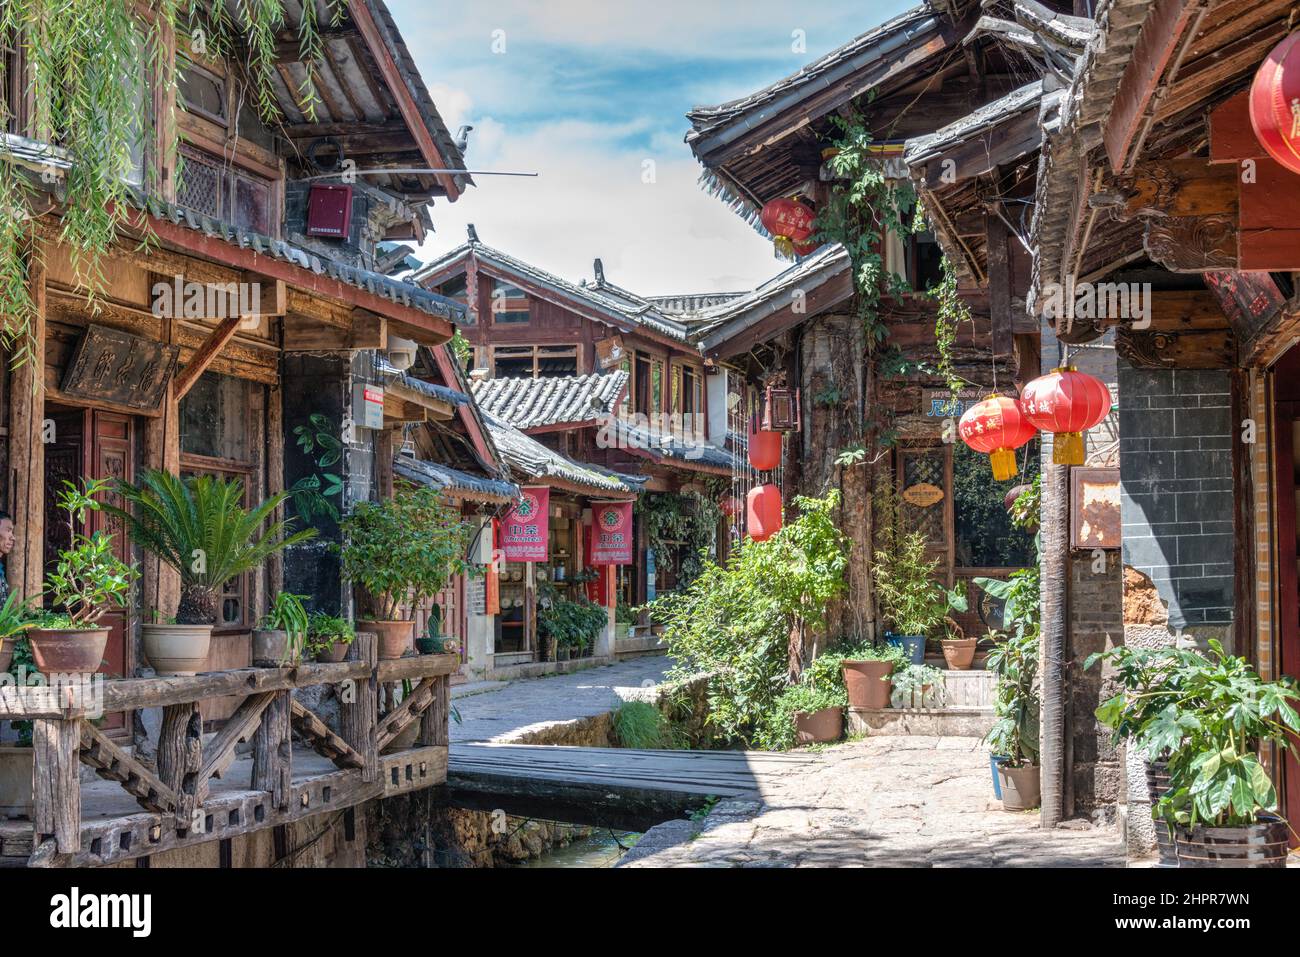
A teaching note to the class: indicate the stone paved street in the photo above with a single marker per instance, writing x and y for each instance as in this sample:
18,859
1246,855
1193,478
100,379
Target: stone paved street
529,704
882,801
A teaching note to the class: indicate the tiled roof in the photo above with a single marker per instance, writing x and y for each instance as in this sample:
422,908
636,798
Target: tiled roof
533,460
686,305
430,389
528,403
618,306
454,481
677,449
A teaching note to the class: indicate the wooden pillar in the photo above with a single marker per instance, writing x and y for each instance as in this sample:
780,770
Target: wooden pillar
160,583
56,782
434,722
1055,572
26,563
275,477
357,717
999,284
180,756
273,751
384,464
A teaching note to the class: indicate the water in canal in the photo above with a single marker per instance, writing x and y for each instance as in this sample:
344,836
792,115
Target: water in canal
600,849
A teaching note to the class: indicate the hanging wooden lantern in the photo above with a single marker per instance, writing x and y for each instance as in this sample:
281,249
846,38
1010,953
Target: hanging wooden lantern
764,448
1066,402
1275,103
997,427
763,512
791,224
782,411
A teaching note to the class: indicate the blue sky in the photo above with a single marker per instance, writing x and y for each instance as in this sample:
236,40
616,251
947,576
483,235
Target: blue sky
587,95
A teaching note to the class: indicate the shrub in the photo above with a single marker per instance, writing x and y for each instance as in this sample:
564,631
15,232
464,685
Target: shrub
639,724
777,731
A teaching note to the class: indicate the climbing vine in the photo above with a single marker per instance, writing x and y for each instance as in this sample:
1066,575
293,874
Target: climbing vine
88,67
684,523
951,313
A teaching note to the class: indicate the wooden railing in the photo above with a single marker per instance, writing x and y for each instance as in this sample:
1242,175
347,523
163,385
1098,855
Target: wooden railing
179,806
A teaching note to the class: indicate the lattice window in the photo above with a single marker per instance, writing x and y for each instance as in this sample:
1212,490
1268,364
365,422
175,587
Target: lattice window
201,184
925,468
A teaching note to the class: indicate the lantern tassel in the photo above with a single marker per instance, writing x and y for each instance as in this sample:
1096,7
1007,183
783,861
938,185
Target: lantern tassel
1004,464
1067,448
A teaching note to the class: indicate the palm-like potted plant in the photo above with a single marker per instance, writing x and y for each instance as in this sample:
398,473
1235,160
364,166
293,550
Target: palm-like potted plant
329,636
401,551
281,638
198,526
1014,735
86,582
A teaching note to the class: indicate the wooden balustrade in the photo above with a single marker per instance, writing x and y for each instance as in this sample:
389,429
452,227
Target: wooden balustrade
178,800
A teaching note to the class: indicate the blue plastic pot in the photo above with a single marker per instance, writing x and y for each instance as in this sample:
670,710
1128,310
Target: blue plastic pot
994,761
913,646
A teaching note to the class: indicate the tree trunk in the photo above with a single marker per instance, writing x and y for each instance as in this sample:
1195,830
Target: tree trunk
198,605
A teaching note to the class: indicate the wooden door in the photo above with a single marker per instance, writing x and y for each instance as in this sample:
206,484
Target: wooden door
1288,601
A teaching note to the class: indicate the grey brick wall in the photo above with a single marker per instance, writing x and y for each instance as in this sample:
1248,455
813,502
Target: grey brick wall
1176,436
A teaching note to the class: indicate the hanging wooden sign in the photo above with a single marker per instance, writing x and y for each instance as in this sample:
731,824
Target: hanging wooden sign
923,495
114,366
610,352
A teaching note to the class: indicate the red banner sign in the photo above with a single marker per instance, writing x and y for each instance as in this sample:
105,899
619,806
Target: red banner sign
611,533
524,529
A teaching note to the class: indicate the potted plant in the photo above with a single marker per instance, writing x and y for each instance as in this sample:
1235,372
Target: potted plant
431,642
198,526
571,625
1015,732
401,551
87,580
15,619
281,638
868,671
1220,802
1152,681
813,713
918,686
328,637
913,602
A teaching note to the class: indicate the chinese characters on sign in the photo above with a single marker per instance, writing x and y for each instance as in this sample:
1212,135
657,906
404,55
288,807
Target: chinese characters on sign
524,529
1248,299
611,533
118,367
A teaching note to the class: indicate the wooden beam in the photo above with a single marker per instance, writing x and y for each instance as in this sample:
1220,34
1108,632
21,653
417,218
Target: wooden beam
1232,136
999,266
1179,187
1157,45
217,339
25,565
112,763
304,334
180,756
273,751
397,720
321,739
239,727
357,717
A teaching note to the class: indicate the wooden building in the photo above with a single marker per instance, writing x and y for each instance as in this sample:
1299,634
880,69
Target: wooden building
147,376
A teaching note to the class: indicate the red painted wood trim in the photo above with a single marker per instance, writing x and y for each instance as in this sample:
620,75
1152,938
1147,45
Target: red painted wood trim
448,373
1285,588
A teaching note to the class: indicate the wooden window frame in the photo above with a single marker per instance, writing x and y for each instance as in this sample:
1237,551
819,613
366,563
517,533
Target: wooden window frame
246,472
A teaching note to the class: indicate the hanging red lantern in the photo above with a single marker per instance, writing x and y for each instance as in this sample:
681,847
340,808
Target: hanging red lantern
763,512
764,448
1066,402
730,506
997,427
791,224
1275,103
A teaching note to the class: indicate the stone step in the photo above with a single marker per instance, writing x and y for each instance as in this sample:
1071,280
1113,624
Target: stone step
635,646
936,722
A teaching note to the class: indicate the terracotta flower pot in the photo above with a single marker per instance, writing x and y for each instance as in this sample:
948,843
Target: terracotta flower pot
1021,787
177,649
959,652
6,653
868,683
395,637
1263,844
815,727
271,649
58,650
16,781
335,653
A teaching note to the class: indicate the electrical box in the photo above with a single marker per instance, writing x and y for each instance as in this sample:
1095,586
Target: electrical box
329,210
368,405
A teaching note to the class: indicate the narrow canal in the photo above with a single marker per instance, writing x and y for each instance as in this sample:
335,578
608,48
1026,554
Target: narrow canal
602,848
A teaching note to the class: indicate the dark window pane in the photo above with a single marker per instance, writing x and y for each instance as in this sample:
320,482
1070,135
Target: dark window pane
985,536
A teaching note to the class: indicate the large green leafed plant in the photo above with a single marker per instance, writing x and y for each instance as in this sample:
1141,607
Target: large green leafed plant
910,598
88,578
403,550
199,526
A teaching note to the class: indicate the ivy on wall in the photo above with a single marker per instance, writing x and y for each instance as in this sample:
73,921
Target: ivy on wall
685,523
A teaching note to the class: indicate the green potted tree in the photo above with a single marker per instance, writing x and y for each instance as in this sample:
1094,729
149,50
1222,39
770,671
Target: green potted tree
281,637
571,625
198,526
1014,735
328,637
915,604
624,619
401,551
86,582
15,619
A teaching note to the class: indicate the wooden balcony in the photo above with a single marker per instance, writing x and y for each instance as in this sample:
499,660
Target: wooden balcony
201,790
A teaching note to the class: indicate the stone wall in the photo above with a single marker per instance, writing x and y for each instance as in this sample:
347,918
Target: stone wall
1096,623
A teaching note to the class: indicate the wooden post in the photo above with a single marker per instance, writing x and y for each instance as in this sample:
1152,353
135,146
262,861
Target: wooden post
56,782
273,751
26,564
434,727
357,717
161,584
180,756
275,477
1055,510
999,284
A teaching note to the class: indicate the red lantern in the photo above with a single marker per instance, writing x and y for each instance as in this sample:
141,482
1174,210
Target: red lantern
764,448
730,506
1067,403
791,224
998,427
763,512
1275,103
